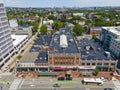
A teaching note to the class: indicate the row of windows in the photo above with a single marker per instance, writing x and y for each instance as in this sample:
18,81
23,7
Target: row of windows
2,14
61,58
63,63
5,23
1,5
3,19
98,64
5,43
2,10
3,28
8,49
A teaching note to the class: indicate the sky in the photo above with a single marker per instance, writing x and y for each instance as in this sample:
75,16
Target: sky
60,3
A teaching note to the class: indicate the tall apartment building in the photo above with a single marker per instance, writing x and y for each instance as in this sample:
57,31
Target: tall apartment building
110,37
6,42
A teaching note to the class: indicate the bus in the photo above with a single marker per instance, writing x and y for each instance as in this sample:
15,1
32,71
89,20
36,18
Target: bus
97,81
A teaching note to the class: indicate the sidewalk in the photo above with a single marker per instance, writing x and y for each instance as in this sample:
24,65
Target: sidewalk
116,83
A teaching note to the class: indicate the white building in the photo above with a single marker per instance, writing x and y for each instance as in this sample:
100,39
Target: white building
6,43
22,30
19,42
48,23
78,14
13,23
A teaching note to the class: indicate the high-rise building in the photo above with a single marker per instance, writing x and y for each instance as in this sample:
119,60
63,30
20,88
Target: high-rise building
6,42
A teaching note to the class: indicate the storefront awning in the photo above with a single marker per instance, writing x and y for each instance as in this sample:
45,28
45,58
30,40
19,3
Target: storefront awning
61,69
105,66
47,74
99,66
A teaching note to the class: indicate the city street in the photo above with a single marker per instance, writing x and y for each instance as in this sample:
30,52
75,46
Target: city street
47,84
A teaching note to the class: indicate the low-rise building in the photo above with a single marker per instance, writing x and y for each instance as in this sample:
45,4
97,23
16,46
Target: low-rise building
48,23
64,52
78,14
94,30
19,42
22,30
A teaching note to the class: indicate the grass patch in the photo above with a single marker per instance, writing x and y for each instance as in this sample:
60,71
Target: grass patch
66,82
4,83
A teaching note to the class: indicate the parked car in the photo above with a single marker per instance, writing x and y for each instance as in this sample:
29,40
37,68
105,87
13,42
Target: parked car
108,89
61,78
68,78
56,85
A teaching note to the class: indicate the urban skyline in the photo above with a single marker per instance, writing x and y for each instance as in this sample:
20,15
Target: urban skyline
60,3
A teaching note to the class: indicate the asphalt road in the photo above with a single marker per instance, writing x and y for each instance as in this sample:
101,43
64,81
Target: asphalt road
6,81
47,84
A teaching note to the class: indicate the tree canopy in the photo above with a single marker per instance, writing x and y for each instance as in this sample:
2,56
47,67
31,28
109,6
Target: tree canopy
43,29
79,30
58,24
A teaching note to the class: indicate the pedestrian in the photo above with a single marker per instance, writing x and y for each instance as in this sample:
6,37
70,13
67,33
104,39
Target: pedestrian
1,87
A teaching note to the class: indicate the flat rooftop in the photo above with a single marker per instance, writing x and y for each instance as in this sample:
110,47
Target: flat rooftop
91,50
55,42
17,39
115,30
42,57
43,40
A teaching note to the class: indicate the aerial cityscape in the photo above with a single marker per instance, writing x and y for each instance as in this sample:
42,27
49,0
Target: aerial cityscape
59,45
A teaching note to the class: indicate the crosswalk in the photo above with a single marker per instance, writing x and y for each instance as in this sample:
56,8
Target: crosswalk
116,83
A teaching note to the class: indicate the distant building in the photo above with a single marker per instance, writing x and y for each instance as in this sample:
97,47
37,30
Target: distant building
69,25
22,30
94,30
110,37
13,23
33,18
48,23
81,23
78,14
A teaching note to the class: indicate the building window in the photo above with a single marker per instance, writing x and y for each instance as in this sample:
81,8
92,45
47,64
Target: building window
105,63
99,63
83,63
93,63
112,63
88,63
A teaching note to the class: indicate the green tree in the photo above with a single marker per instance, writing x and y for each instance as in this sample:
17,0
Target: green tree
79,30
57,24
96,71
94,36
35,26
52,17
19,57
43,29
